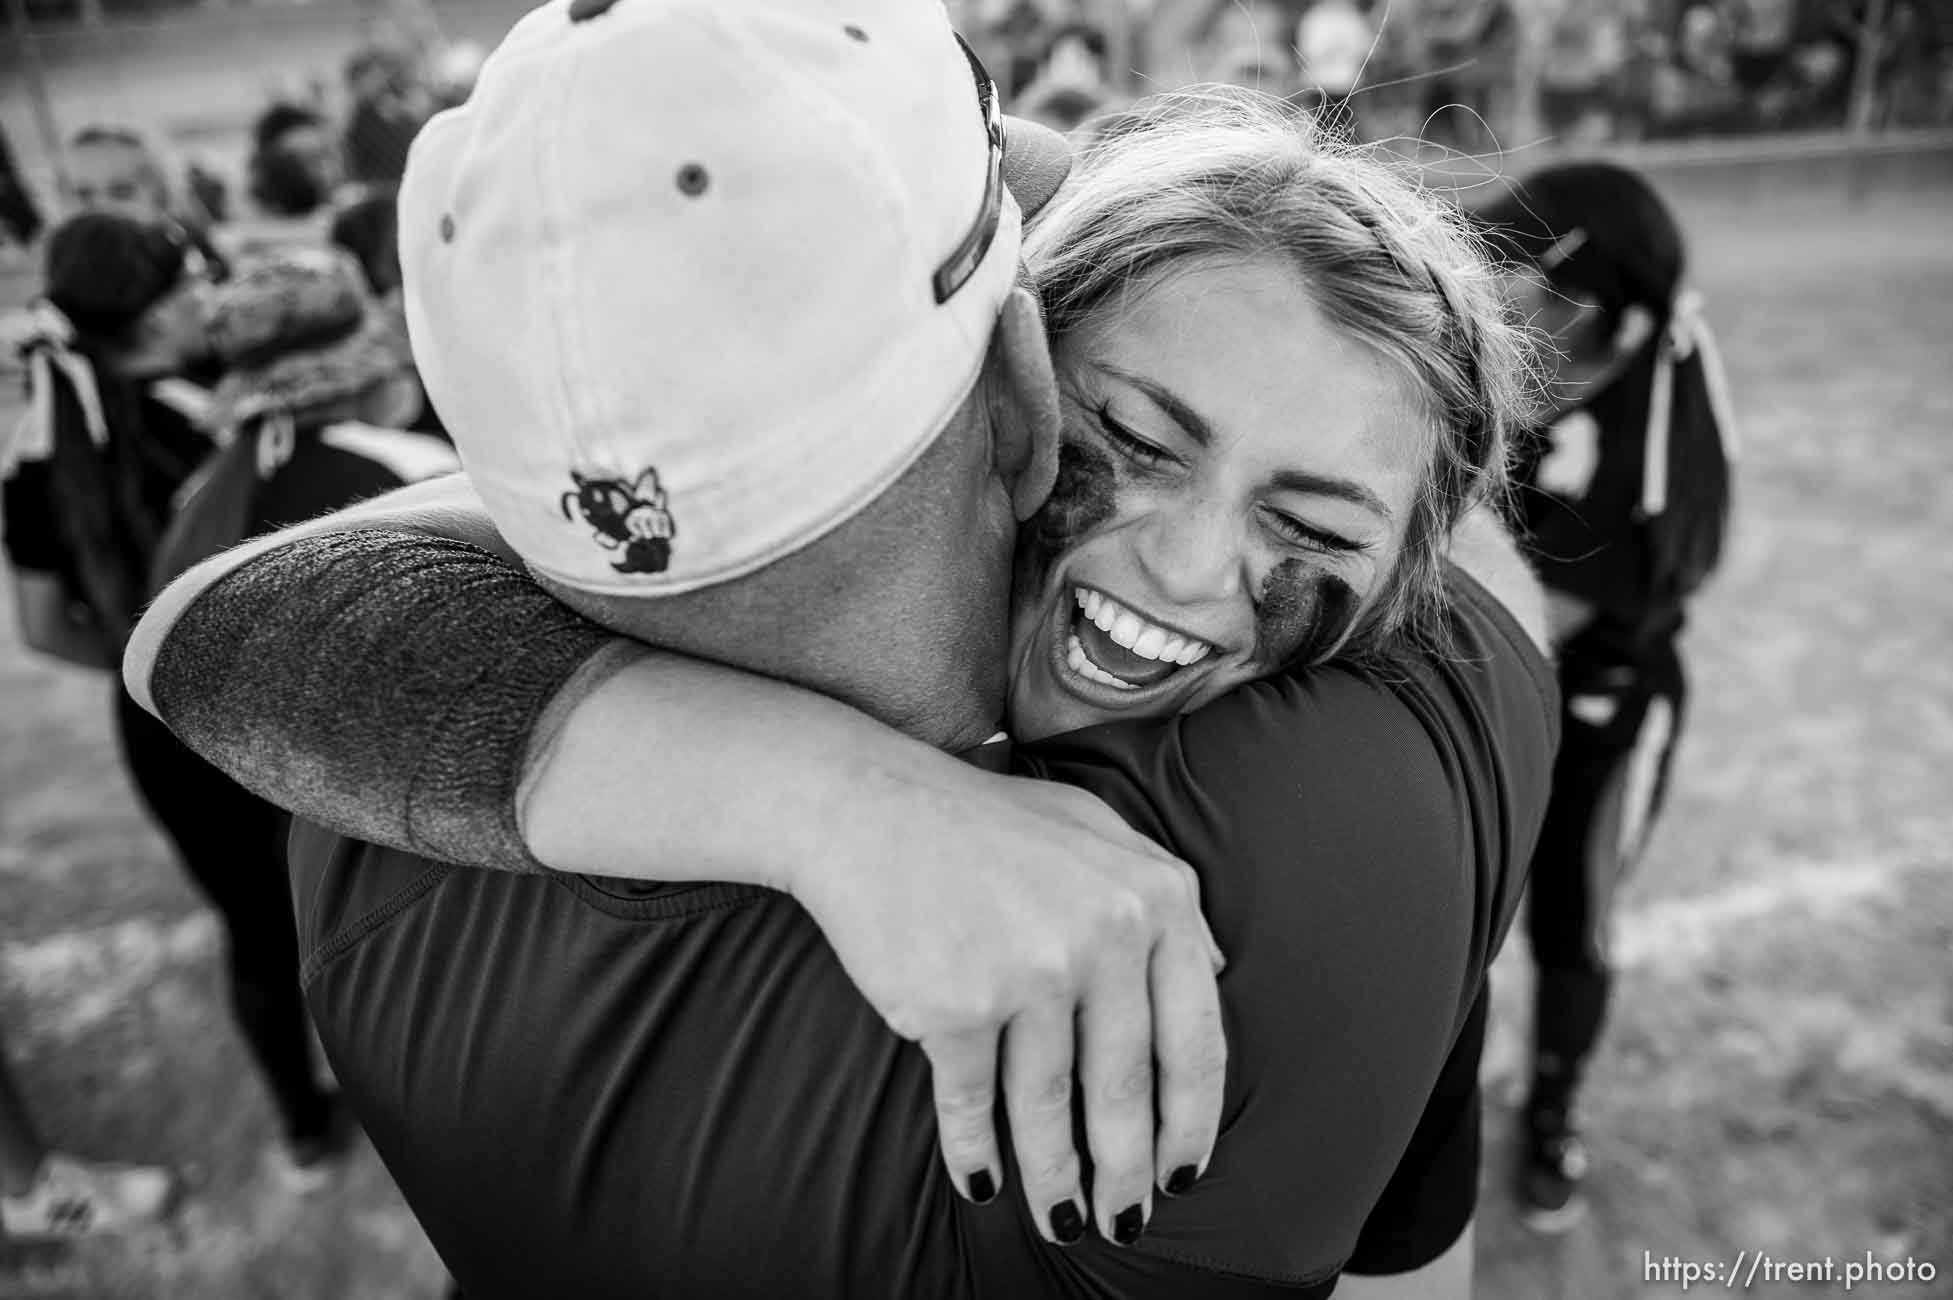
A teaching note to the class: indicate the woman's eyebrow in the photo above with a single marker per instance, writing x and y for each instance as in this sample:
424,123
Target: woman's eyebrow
1167,400
1288,480
1327,485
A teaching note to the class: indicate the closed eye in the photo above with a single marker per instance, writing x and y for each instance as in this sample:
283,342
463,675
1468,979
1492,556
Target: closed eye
1296,532
1142,452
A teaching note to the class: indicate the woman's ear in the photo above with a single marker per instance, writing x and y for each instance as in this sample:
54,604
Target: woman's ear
1024,417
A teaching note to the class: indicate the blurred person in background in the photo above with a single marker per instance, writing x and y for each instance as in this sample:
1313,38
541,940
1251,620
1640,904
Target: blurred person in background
115,481
1469,48
1072,83
1333,40
46,1193
1625,491
121,169
369,230
295,166
452,72
389,103
111,434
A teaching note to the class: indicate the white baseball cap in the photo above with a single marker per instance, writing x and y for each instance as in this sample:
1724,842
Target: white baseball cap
690,282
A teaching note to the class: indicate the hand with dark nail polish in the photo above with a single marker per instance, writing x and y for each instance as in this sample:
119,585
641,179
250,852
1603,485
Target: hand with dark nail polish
1067,1224
1181,1180
983,1188
1128,1224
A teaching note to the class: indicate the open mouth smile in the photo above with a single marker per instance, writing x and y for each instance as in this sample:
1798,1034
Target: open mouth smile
1120,650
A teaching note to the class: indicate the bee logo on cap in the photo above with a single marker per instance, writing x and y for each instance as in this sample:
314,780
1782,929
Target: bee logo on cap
629,515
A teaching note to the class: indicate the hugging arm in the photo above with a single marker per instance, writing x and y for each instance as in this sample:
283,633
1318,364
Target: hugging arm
416,691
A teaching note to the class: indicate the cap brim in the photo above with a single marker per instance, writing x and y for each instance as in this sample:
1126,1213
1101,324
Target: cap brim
1036,162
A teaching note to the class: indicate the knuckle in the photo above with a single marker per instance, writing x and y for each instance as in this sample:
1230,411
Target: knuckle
1126,918
965,1143
966,1101
1045,1095
1131,1082
1203,1070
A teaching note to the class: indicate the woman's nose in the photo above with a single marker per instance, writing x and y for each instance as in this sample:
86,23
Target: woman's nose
1192,556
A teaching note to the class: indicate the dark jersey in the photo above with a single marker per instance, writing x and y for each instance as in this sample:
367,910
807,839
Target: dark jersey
150,451
1628,513
590,1088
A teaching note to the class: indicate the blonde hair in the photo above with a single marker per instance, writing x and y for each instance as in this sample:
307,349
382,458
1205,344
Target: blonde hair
1221,171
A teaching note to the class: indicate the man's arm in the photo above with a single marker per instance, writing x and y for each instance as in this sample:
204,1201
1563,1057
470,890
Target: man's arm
447,506
397,686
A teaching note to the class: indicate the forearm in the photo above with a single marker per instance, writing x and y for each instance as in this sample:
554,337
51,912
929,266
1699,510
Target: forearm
676,769
413,691
441,507
382,684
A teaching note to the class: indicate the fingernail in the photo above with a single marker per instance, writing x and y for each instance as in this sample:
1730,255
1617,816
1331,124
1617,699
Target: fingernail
1067,1224
983,1188
1181,1180
1130,1222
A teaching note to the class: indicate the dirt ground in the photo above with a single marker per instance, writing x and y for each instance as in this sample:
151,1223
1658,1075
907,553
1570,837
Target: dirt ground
1779,1075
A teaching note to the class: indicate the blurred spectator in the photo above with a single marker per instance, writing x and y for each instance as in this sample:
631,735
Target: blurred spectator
1250,44
369,230
122,170
1625,493
1584,89
1470,51
1333,40
1759,54
1072,81
51,1194
452,72
389,105
1022,33
19,217
295,165
112,438
118,169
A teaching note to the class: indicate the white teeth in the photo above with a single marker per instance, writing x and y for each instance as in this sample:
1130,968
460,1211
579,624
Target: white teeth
1143,638
1075,656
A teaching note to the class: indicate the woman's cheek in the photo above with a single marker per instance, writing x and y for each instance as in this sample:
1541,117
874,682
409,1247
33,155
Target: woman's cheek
1302,616
1084,495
